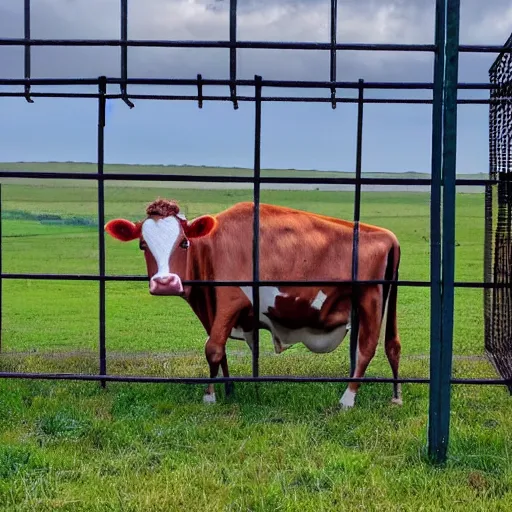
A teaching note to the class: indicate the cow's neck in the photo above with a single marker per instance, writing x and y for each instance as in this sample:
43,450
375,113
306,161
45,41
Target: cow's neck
201,300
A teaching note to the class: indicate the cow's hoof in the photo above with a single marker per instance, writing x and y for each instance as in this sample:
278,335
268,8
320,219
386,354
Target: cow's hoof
347,401
397,401
345,407
209,398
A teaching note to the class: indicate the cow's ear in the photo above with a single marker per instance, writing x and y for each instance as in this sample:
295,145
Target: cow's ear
201,226
122,229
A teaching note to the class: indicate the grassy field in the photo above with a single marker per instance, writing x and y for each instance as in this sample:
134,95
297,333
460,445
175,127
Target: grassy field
75,446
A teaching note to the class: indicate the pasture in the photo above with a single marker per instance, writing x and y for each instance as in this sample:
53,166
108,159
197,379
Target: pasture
75,446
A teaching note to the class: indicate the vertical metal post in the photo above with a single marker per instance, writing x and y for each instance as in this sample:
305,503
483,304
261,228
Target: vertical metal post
354,321
447,39
102,89
434,441
449,199
232,51
27,50
124,52
256,229
334,19
199,90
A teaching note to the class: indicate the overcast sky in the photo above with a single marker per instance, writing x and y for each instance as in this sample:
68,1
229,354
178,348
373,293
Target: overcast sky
396,137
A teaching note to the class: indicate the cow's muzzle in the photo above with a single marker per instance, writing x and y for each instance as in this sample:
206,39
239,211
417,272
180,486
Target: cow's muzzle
169,284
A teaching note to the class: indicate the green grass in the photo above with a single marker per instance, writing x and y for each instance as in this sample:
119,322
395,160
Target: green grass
74,446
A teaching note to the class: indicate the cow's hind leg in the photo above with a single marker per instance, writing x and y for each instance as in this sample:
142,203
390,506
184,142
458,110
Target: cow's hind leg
209,392
229,386
392,343
366,346
393,348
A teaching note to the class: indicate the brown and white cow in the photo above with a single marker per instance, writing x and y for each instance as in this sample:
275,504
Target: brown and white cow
294,245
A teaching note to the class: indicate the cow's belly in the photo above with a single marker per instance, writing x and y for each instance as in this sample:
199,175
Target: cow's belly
316,340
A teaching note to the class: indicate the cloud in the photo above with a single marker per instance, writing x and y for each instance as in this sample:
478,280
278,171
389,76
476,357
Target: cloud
376,21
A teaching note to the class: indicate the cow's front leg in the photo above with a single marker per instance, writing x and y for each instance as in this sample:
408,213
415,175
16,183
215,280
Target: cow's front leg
215,351
229,306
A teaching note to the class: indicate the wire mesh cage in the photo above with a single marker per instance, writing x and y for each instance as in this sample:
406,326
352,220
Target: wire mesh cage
498,219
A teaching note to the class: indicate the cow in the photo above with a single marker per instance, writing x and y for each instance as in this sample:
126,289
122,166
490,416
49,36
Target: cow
293,245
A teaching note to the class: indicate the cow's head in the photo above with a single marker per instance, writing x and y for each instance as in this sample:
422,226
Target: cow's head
165,236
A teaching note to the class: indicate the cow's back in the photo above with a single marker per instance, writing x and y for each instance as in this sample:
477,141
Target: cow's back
294,245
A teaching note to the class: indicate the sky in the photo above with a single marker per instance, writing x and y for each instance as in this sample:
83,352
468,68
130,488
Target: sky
396,138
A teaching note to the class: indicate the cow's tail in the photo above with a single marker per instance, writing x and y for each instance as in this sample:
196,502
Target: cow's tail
391,338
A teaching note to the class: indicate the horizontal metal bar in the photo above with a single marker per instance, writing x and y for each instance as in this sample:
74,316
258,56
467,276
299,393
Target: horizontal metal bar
479,48
142,278
482,285
49,95
122,177
221,380
289,99
296,99
263,45
312,84
212,179
474,183
49,81
233,179
127,278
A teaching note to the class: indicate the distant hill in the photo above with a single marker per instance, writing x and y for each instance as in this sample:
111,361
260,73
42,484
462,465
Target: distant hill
203,170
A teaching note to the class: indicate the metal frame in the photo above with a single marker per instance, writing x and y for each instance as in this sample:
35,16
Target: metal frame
444,87
498,220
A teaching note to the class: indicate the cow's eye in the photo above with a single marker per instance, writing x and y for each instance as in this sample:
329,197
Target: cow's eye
142,245
185,244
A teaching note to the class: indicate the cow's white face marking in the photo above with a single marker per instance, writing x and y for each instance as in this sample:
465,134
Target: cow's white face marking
160,236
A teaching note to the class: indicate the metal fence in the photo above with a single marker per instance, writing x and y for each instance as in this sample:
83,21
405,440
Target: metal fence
498,220
444,99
